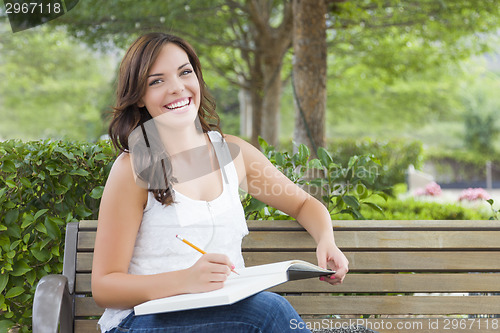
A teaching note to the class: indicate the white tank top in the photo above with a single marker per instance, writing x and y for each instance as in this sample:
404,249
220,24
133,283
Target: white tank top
217,226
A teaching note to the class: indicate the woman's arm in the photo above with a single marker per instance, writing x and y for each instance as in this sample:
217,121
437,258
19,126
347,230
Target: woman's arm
266,183
120,215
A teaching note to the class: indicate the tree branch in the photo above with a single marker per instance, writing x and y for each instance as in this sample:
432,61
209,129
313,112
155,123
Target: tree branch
258,17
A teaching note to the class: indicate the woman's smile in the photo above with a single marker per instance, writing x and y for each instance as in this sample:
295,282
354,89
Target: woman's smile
179,105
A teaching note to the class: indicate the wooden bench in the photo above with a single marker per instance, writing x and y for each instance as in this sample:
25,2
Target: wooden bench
390,261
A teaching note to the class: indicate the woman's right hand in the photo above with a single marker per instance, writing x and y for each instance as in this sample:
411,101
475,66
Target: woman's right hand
208,273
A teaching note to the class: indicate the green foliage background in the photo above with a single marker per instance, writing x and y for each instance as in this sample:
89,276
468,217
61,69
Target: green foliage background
43,186
52,86
395,68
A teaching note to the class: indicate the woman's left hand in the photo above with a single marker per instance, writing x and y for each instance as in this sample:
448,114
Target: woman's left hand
330,256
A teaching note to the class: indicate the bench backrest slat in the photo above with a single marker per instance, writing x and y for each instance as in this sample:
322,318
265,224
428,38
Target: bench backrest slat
360,225
377,283
404,261
362,305
357,240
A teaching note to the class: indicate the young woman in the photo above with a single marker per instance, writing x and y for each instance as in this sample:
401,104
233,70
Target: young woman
178,174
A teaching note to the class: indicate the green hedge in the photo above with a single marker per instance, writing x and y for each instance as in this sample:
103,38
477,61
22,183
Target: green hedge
394,155
411,209
343,188
43,186
461,165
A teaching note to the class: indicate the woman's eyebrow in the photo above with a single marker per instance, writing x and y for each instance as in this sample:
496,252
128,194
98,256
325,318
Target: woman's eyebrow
160,74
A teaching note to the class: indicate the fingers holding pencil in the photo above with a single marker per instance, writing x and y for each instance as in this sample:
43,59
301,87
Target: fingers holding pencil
219,263
228,262
208,273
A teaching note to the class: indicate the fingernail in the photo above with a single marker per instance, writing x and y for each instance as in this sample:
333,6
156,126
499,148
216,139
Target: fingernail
332,277
233,267
322,278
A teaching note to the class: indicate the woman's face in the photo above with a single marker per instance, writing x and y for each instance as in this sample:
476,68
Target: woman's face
172,88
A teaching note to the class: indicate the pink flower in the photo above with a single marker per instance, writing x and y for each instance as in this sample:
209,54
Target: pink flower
432,189
472,194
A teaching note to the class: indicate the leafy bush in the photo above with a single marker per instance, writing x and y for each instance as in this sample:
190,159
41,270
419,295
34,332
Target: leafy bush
461,165
495,214
480,132
412,209
43,186
343,189
394,155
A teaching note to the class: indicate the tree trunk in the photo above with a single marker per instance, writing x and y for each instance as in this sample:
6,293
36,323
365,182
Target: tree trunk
245,101
309,72
271,100
256,92
271,44
256,116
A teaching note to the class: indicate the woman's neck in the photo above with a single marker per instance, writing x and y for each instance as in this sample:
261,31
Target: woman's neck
190,154
177,141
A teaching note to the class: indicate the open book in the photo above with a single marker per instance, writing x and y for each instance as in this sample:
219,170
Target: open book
237,287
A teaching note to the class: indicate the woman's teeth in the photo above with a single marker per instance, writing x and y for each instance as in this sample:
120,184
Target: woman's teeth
178,104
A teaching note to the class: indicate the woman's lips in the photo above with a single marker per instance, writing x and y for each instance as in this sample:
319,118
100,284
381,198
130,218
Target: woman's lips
178,104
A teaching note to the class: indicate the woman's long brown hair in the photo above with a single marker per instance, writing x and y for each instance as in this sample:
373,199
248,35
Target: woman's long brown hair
132,83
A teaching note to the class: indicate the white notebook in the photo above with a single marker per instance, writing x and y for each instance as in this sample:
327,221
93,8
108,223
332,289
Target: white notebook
237,287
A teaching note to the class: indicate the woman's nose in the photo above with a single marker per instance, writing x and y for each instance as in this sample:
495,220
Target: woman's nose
176,86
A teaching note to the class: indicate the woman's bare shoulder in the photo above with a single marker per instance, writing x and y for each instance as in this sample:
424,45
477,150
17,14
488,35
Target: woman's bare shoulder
234,139
123,183
249,152
122,163
245,146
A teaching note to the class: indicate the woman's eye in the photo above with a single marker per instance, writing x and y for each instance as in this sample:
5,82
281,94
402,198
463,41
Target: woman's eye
186,72
154,82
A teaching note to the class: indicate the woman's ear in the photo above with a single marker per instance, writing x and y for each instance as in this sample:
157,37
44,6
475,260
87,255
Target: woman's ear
141,104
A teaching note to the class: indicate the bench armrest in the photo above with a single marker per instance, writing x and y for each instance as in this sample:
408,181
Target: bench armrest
52,305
